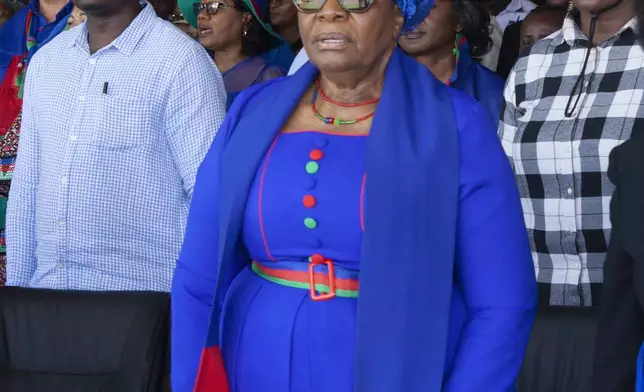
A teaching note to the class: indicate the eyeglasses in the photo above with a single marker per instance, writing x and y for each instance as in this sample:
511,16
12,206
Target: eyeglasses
211,7
311,6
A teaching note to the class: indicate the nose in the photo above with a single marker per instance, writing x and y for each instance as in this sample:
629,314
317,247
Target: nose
203,15
331,11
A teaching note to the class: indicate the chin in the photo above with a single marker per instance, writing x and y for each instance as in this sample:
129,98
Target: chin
592,5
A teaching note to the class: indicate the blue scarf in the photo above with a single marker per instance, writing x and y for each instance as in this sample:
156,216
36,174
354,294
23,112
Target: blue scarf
412,195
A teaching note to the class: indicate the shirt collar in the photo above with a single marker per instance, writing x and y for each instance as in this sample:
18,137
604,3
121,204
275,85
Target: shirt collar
127,41
520,5
572,35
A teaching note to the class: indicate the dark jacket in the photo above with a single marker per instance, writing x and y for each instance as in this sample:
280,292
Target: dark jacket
621,327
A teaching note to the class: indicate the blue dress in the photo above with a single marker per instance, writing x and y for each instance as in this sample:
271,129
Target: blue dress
256,342
447,286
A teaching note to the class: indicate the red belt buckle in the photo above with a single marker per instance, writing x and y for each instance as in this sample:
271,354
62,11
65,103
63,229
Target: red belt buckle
315,296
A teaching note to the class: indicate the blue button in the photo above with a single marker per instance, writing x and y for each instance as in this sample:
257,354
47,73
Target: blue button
321,141
308,183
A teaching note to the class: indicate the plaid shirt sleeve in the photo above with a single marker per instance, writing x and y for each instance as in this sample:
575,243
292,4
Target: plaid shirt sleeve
187,116
21,211
507,123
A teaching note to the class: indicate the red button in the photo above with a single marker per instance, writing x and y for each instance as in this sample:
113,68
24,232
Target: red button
317,258
316,155
309,201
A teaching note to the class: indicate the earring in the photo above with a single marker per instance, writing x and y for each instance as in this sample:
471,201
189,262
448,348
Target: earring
245,31
456,52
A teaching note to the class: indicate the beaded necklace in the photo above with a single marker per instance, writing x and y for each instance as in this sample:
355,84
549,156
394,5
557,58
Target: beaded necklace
335,120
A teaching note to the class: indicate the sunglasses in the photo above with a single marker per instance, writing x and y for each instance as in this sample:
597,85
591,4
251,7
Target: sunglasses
211,7
311,6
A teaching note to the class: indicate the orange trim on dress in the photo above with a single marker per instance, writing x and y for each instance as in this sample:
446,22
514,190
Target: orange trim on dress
260,197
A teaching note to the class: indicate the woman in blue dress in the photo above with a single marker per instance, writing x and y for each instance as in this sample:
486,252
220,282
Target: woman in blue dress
236,33
355,227
446,41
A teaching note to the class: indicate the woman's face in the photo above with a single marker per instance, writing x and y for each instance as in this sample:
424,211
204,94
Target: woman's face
77,17
338,41
225,28
283,13
437,31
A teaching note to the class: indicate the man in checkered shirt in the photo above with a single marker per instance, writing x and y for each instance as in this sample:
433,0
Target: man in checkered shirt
568,103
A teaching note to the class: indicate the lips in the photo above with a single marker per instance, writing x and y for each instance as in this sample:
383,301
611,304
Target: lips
203,30
414,35
331,41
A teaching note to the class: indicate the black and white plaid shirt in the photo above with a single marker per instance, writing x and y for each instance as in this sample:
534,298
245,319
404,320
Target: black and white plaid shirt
560,162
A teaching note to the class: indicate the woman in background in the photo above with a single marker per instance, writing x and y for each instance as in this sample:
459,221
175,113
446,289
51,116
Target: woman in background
446,41
236,33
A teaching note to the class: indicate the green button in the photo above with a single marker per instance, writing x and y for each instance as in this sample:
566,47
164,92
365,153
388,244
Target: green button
312,167
310,223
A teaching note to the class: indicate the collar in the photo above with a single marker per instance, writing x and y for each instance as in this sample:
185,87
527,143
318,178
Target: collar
129,39
520,5
572,35
34,6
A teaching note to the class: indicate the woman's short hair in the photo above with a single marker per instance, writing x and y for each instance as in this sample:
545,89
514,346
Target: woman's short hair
257,40
474,19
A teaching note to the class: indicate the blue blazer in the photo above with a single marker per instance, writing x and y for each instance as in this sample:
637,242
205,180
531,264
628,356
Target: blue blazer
455,313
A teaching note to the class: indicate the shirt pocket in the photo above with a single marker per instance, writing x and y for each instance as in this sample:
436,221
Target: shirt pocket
126,122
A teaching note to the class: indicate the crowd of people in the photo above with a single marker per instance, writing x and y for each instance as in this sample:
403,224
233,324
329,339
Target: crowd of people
379,190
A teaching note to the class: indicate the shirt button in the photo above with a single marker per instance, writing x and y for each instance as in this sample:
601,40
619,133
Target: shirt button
63,180
81,98
310,223
61,223
92,61
312,167
73,138
309,201
569,191
321,141
308,183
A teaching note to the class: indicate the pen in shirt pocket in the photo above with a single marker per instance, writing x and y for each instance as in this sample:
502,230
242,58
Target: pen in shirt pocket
105,87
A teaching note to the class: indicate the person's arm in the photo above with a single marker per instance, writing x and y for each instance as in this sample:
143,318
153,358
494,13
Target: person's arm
195,277
21,207
620,331
494,266
195,110
507,128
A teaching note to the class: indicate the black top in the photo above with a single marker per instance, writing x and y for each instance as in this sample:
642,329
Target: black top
621,328
509,49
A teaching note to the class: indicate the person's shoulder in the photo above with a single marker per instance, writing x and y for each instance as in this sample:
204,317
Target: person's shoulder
17,21
172,41
55,49
490,78
630,154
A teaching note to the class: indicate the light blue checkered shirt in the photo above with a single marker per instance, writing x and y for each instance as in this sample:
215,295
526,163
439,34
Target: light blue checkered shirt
103,181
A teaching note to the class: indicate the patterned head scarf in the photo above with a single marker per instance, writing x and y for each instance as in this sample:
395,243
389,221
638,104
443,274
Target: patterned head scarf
414,11
259,9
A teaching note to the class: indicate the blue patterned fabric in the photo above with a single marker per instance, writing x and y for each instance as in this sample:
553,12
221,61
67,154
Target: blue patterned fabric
103,181
414,11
